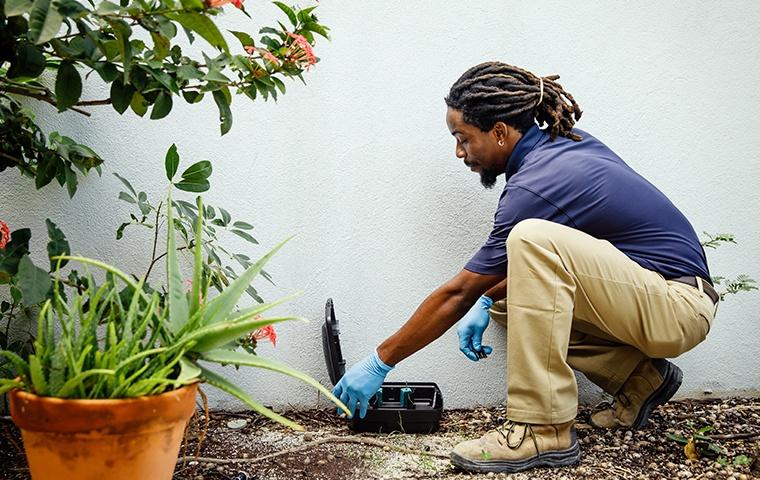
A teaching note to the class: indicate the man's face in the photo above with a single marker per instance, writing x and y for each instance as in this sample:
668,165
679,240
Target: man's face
478,149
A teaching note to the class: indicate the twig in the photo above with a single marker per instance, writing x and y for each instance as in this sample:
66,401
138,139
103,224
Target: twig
333,439
44,98
155,242
736,436
202,434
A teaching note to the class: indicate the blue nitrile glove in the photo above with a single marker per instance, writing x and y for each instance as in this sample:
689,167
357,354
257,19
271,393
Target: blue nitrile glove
360,383
471,328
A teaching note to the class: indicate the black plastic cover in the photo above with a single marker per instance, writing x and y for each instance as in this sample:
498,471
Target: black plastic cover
336,365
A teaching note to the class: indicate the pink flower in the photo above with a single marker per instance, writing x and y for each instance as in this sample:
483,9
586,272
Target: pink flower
265,333
300,50
219,3
250,49
270,58
5,234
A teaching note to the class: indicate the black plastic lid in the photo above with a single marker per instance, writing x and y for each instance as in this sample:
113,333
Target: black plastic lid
336,365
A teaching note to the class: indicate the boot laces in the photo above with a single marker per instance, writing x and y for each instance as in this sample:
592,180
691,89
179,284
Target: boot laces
509,428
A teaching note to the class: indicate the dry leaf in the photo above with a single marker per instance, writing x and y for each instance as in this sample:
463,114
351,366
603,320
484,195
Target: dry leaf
690,449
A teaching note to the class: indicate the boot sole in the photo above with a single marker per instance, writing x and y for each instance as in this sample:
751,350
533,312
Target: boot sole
671,382
558,458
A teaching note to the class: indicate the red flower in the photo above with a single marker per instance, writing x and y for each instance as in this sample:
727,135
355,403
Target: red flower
219,3
300,50
265,332
5,234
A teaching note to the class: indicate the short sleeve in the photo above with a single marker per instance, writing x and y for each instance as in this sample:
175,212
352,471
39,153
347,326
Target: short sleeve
516,204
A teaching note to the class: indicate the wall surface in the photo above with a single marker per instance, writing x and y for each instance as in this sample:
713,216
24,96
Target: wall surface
359,165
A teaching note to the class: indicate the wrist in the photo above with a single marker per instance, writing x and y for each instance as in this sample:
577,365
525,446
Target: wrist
379,364
485,302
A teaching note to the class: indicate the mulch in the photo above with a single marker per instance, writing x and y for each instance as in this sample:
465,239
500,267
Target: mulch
644,454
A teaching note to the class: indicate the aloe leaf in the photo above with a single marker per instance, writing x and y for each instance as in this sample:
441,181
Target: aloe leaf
21,367
239,358
7,385
195,290
38,377
108,268
219,307
188,370
218,334
225,385
74,382
178,309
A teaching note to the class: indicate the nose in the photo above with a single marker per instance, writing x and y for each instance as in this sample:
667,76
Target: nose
459,151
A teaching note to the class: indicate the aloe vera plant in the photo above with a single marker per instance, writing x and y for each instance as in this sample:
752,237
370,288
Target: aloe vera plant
93,347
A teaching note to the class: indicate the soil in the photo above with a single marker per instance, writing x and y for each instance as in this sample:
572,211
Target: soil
644,454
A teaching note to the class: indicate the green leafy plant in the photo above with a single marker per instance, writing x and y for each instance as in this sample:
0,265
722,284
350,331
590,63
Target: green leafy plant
49,49
697,443
144,349
742,282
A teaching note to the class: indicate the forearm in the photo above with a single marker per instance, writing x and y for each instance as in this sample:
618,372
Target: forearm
436,314
498,291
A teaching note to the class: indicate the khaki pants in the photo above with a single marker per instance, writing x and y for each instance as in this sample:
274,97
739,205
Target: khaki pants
576,302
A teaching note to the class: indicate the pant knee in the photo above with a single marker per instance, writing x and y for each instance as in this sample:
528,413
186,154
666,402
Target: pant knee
532,230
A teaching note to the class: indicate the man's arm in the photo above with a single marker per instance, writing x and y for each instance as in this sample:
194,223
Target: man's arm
438,312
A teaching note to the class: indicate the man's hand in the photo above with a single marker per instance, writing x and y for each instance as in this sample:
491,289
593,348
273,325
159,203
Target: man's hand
360,383
471,328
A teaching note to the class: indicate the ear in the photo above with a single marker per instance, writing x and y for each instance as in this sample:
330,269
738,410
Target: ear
500,132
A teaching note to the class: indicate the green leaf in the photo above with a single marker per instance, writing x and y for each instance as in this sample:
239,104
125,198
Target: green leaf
17,7
68,85
225,114
21,367
58,245
107,7
33,281
38,377
246,236
29,62
188,370
221,333
238,358
121,95
289,12
138,104
122,32
162,107
197,186
68,387
203,26
198,171
245,39
243,225
171,162
227,386
6,385
164,79
44,21
11,255
220,306
225,216
71,181
126,184
178,306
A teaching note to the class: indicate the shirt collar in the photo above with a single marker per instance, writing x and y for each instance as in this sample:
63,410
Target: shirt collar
527,142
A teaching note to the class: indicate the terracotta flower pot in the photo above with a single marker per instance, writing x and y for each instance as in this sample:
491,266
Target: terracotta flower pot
134,438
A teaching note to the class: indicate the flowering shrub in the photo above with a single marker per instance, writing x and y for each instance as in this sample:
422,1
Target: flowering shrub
146,77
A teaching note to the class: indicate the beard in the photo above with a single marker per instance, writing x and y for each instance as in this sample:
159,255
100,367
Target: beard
488,178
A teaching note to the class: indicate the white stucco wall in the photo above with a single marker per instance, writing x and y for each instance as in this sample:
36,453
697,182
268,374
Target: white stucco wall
360,166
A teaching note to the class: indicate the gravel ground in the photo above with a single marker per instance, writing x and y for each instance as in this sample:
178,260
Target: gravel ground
623,454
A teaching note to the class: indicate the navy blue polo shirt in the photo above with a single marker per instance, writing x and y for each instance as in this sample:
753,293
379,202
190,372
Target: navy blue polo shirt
585,185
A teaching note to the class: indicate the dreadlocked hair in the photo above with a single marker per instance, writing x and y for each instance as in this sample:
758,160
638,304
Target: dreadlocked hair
496,92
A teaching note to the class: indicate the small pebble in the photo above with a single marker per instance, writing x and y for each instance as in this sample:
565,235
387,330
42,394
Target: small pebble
237,424
308,437
321,462
220,469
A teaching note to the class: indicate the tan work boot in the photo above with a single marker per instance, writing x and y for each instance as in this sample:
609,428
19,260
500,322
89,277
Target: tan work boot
652,383
519,446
